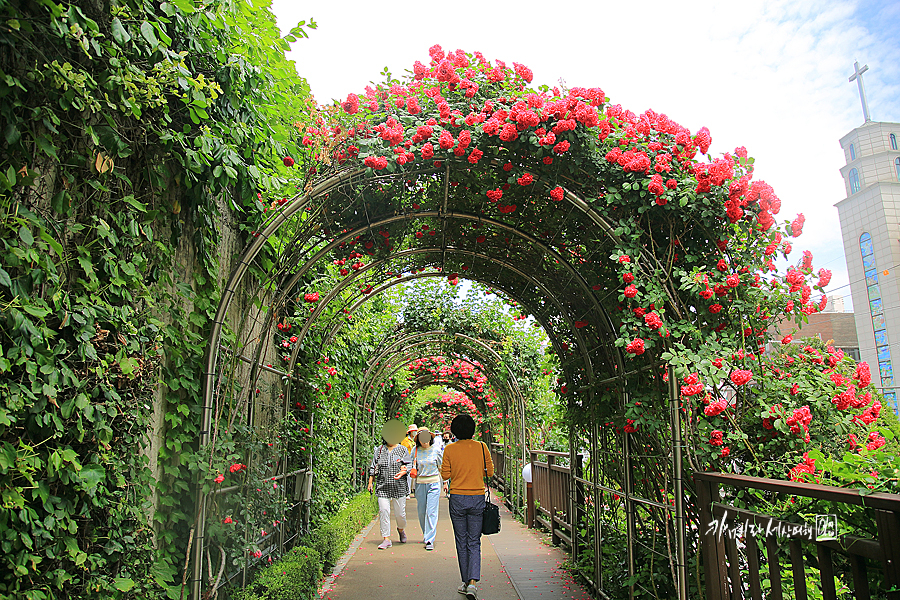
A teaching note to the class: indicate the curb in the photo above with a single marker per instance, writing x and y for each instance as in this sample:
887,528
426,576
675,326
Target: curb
328,582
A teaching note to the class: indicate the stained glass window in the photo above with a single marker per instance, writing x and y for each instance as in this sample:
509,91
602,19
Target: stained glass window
876,308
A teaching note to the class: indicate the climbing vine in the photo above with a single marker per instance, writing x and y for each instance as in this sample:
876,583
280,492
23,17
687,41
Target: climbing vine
135,140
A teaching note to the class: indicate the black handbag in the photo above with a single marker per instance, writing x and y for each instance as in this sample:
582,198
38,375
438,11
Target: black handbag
490,519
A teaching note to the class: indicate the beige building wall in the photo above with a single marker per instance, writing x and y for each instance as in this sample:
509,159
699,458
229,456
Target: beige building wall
874,208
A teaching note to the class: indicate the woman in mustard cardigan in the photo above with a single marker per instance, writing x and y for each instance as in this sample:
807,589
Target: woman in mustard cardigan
466,463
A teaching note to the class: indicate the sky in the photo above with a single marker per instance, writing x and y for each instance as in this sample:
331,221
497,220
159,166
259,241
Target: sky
768,75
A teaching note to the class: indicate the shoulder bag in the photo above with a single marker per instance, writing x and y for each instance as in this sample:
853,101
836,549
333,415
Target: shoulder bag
490,520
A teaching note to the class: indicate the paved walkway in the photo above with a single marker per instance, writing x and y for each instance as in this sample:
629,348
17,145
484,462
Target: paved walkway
516,564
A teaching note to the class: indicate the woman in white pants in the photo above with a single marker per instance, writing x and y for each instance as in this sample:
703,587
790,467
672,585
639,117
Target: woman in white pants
387,474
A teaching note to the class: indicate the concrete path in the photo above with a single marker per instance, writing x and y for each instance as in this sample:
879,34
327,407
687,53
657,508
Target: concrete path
516,564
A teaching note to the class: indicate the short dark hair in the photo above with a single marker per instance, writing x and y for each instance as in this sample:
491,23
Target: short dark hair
463,427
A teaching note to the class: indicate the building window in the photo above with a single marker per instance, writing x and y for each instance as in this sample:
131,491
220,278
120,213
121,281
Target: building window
852,152
876,311
897,167
854,181
893,142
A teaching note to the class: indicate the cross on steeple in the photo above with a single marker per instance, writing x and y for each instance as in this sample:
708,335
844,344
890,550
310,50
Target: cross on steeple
857,75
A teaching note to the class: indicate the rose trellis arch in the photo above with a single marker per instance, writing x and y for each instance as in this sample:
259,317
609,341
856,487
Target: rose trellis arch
602,224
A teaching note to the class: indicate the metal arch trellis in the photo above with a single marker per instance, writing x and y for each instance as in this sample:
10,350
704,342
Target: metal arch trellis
302,201
401,352
581,346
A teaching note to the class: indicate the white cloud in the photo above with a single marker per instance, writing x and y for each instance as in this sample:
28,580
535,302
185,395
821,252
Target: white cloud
771,76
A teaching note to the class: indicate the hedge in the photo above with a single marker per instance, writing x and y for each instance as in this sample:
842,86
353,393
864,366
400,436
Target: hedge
297,574
333,537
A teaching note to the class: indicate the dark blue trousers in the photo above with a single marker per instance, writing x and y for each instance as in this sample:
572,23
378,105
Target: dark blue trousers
466,513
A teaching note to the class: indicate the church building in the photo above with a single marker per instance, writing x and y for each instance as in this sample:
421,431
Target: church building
870,227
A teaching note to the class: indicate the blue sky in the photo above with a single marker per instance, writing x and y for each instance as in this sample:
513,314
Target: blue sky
768,75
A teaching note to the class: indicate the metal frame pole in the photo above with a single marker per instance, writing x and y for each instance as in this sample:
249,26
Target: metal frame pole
677,458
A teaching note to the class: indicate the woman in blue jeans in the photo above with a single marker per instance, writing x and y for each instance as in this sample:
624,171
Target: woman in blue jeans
466,463
427,468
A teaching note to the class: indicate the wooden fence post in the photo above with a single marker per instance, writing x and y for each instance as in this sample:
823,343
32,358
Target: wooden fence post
888,523
554,539
712,546
529,506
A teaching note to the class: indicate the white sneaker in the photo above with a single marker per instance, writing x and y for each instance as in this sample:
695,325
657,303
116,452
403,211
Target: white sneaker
471,592
462,588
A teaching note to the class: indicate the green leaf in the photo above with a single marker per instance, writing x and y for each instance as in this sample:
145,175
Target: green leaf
149,35
91,475
123,584
128,365
48,148
5,279
57,247
11,133
135,204
184,6
26,236
7,457
36,311
120,35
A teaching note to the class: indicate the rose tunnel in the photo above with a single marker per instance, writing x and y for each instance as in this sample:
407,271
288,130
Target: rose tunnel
605,227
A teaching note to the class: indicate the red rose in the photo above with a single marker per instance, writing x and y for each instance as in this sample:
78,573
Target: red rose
624,259
824,277
525,179
445,141
635,347
630,291
288,161
740,376
722,265
557,193
561,147
653,321
714,408
627,277
444,71
715,308
733,281
494,195
351,104
509,132
524,72
797,225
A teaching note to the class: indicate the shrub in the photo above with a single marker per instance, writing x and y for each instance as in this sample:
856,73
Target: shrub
334,536
296,576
